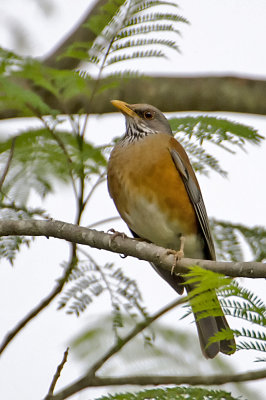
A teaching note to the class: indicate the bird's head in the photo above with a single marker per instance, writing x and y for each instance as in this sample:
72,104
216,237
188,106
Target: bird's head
142,119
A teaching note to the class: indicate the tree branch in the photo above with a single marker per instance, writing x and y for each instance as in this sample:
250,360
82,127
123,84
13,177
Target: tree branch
7,166
58,373
193,380
78,34
41,306
227,93
78,385
131,247
135,331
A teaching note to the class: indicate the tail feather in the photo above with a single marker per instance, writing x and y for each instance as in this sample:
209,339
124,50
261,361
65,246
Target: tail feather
226,346
207,328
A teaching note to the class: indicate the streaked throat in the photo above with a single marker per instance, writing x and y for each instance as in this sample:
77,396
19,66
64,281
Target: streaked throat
137,131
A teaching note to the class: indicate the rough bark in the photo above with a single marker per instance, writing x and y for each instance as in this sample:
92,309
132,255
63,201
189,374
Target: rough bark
131,247
203,94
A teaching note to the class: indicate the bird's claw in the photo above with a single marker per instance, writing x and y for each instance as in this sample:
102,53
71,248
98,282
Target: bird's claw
178,254
115,234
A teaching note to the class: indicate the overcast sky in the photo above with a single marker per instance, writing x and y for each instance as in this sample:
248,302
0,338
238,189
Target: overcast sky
224,37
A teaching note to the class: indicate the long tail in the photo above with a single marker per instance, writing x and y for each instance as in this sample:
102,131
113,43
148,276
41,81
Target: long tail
207,327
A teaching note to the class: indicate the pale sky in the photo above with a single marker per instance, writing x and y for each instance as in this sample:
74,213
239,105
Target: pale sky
225,37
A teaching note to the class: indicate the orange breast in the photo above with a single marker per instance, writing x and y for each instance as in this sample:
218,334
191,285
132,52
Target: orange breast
148,191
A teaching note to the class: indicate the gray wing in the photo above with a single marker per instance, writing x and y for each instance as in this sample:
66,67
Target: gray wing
196,200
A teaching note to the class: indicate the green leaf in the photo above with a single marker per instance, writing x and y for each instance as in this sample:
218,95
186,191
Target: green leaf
134,55
143,42
144,5
98,22
200,159
154,17
39,161
11,245
202,295
89,280
178,393
127,22
216,130
26,101
227,237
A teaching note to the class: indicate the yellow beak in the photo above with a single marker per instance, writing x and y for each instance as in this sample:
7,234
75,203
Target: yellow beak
125,108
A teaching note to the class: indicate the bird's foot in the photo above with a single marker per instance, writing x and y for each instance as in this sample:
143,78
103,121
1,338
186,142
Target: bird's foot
116,234
178,254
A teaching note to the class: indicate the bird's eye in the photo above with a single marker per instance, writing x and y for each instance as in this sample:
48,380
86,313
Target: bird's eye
148,114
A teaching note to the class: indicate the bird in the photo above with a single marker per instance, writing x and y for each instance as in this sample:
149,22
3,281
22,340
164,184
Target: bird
156,192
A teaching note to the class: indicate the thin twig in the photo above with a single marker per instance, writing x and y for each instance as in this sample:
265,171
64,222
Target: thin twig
100,180
83,382
63,148
103,221
135,331
29,211
41,306
57,373
7,166
75,127
108,287
98,79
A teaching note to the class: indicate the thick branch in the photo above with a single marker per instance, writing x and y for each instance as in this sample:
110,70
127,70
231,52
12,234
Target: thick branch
226,93
78,34
139,249
160,380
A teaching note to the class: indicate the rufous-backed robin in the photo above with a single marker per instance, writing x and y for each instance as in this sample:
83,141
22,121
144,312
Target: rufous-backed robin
157,194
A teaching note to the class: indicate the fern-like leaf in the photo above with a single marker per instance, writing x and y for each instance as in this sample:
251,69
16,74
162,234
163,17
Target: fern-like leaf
178,393
38,161
143,42
227,237
219,131
200,159
88,281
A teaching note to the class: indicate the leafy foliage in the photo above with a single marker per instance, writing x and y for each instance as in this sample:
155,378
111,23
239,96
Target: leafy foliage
242,303
125,31
222,132
202,298
10,245
216,130
228,237
38,161
200,159
89,280
236,301
121,27
168,342
179,393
